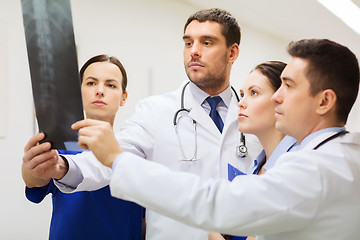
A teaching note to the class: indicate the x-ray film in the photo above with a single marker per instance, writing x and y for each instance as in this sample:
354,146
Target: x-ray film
54,70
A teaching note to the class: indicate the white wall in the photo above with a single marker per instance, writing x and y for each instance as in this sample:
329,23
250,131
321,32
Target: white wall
145,35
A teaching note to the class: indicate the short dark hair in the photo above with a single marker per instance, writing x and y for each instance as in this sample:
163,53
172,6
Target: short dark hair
229,25
106,58
272,70
330,66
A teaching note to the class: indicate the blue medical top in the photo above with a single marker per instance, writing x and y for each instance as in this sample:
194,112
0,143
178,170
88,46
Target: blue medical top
285,145
90,215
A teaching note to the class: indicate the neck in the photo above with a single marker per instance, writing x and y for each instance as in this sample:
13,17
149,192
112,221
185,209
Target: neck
213,91
321,124
269,140
215,88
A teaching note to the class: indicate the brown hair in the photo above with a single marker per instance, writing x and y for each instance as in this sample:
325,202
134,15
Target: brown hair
272,70
229,25
330,66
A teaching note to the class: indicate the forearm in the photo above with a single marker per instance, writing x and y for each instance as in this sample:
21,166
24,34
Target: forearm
85,173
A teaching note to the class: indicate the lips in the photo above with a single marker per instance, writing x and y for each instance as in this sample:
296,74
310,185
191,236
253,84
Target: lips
99,103
195,65
241,115
277,113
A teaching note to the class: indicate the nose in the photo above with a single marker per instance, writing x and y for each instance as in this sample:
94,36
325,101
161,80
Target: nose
195,50
242,103
277,97
100,92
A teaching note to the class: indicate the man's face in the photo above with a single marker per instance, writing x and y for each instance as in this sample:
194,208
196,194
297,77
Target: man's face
206,57
295,110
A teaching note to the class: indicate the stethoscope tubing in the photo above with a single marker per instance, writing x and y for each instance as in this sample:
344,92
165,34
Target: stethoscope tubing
241,151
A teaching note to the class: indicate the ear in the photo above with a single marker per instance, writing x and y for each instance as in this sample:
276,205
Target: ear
327,101
123,99
234,52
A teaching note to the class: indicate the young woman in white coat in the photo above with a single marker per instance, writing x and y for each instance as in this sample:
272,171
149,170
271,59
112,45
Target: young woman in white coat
257,116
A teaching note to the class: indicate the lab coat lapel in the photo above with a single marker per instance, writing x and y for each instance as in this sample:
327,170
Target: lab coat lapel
231,116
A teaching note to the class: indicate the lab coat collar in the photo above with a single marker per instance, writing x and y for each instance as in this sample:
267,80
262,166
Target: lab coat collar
200,96
196,95
231,116
310,141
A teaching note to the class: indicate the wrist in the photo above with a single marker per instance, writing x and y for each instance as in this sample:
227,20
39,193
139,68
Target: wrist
63,168
112,157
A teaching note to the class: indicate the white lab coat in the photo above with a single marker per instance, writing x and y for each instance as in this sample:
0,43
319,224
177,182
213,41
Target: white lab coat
150,133
309,194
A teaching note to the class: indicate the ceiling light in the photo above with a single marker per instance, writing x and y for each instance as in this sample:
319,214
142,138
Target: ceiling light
346,10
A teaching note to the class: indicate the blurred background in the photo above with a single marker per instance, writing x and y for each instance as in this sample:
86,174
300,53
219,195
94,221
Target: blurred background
147,38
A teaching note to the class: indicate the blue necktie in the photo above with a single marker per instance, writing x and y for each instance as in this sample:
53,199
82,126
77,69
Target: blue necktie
215,116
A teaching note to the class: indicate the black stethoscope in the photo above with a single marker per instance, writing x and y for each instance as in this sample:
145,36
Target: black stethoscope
343,132
241,150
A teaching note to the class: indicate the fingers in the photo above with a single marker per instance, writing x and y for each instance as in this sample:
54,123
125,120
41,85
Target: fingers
45,170
38,154
93,133
89,135
49,156
84,142
87,123
33,141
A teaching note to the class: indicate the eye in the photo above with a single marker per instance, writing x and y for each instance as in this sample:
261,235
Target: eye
286,84
90,83
241,94
207,43
111,85
188,44
254,93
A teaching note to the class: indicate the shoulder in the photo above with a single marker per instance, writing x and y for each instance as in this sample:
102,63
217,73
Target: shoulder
335,154
158,102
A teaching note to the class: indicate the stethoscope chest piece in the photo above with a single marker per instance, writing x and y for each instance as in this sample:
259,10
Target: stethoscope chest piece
241,151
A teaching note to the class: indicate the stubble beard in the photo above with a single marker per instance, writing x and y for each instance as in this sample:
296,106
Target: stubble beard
212,81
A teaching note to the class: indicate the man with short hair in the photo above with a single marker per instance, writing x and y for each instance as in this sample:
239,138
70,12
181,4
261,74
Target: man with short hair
311,193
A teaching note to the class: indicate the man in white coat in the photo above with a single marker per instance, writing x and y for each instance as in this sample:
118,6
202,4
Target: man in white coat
312,193
211,45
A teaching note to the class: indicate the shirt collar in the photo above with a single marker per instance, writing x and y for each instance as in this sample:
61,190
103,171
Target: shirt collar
200,96
285,145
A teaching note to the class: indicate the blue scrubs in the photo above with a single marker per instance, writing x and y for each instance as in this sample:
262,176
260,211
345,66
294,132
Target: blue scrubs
90,215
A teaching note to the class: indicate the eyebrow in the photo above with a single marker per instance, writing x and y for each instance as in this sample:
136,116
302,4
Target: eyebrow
286,79
250,88
253,86
92,78
203,36
95,79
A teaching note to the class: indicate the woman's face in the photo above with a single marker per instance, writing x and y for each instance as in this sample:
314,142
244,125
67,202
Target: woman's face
256,110
101,91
